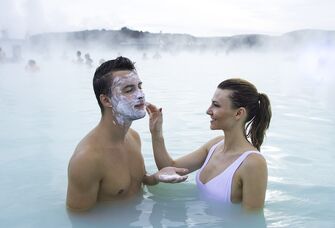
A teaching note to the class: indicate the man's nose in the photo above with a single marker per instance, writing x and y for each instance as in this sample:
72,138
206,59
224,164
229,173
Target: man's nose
140,95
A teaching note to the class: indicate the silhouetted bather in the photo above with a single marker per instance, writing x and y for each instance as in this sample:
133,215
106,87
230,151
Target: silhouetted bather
88,60
79,59
2,56
32,66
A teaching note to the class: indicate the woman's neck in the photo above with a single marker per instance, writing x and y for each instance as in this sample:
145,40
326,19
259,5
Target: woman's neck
235,141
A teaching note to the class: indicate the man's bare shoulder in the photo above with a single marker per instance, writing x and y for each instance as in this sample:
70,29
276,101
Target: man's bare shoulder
86,156
134,135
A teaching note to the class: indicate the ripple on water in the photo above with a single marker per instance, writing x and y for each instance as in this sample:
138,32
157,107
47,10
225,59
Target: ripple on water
308,202
297,160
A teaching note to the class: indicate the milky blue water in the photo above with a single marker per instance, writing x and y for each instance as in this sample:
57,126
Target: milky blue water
44,115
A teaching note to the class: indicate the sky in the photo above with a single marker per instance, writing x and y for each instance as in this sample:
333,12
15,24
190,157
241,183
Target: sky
21,18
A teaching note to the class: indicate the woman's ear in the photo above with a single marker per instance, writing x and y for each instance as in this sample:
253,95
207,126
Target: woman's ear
105,100
240,113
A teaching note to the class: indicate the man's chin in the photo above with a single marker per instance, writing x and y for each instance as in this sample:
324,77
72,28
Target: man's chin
139,116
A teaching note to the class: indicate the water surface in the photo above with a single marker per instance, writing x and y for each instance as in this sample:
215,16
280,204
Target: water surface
44,115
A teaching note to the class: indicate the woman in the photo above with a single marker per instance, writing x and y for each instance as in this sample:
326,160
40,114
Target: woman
231,168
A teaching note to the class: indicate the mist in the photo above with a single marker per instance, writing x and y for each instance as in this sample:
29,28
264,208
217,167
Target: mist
294,67
300,56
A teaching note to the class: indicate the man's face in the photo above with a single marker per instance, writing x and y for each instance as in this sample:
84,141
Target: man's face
127,97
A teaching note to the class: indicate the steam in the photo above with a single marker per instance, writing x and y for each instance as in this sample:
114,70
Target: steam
290,60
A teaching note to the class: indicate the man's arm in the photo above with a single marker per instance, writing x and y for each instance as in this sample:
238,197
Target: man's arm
83,183
254,179
149,179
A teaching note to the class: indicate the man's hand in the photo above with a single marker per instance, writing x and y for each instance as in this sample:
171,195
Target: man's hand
171,175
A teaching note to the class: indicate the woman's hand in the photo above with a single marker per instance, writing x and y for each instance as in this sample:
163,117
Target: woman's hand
155,118
171,175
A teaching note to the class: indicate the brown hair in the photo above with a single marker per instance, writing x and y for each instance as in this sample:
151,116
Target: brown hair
244,94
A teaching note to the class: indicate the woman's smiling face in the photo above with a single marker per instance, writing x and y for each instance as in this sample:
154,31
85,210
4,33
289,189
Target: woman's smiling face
221,111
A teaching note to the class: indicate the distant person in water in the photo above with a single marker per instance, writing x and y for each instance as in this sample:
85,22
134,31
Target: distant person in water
32,66
79,59
88,60
107,164
2,56
231,168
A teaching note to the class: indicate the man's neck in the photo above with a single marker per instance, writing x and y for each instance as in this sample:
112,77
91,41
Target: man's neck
112,129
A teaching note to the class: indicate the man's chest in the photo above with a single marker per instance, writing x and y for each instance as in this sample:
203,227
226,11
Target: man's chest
122,176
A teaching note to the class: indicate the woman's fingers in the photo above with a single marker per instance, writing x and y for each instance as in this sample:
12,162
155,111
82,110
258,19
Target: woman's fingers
152,107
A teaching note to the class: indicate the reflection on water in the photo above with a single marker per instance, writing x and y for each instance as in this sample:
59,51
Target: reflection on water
117,214
167,206
45,114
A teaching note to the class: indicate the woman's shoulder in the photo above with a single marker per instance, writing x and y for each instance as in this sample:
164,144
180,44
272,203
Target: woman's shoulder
217,139
213,142
254,161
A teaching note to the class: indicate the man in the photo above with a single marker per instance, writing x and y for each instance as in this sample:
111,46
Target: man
108,164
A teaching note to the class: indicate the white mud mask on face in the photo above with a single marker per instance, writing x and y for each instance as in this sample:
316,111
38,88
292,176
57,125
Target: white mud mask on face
127,98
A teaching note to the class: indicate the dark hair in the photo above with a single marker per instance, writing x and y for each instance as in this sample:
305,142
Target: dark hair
244,94
103,76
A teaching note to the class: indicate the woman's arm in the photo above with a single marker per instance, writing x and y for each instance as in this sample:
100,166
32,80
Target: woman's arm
192,161
254,180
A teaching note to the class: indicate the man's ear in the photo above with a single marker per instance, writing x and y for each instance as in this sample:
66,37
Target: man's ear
105,100
240,113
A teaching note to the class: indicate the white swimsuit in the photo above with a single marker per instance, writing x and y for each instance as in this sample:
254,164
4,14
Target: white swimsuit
219,187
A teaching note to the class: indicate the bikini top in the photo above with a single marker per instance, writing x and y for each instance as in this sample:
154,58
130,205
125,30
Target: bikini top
219,187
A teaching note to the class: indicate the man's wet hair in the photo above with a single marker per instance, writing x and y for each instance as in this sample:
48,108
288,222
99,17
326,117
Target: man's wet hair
103,76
